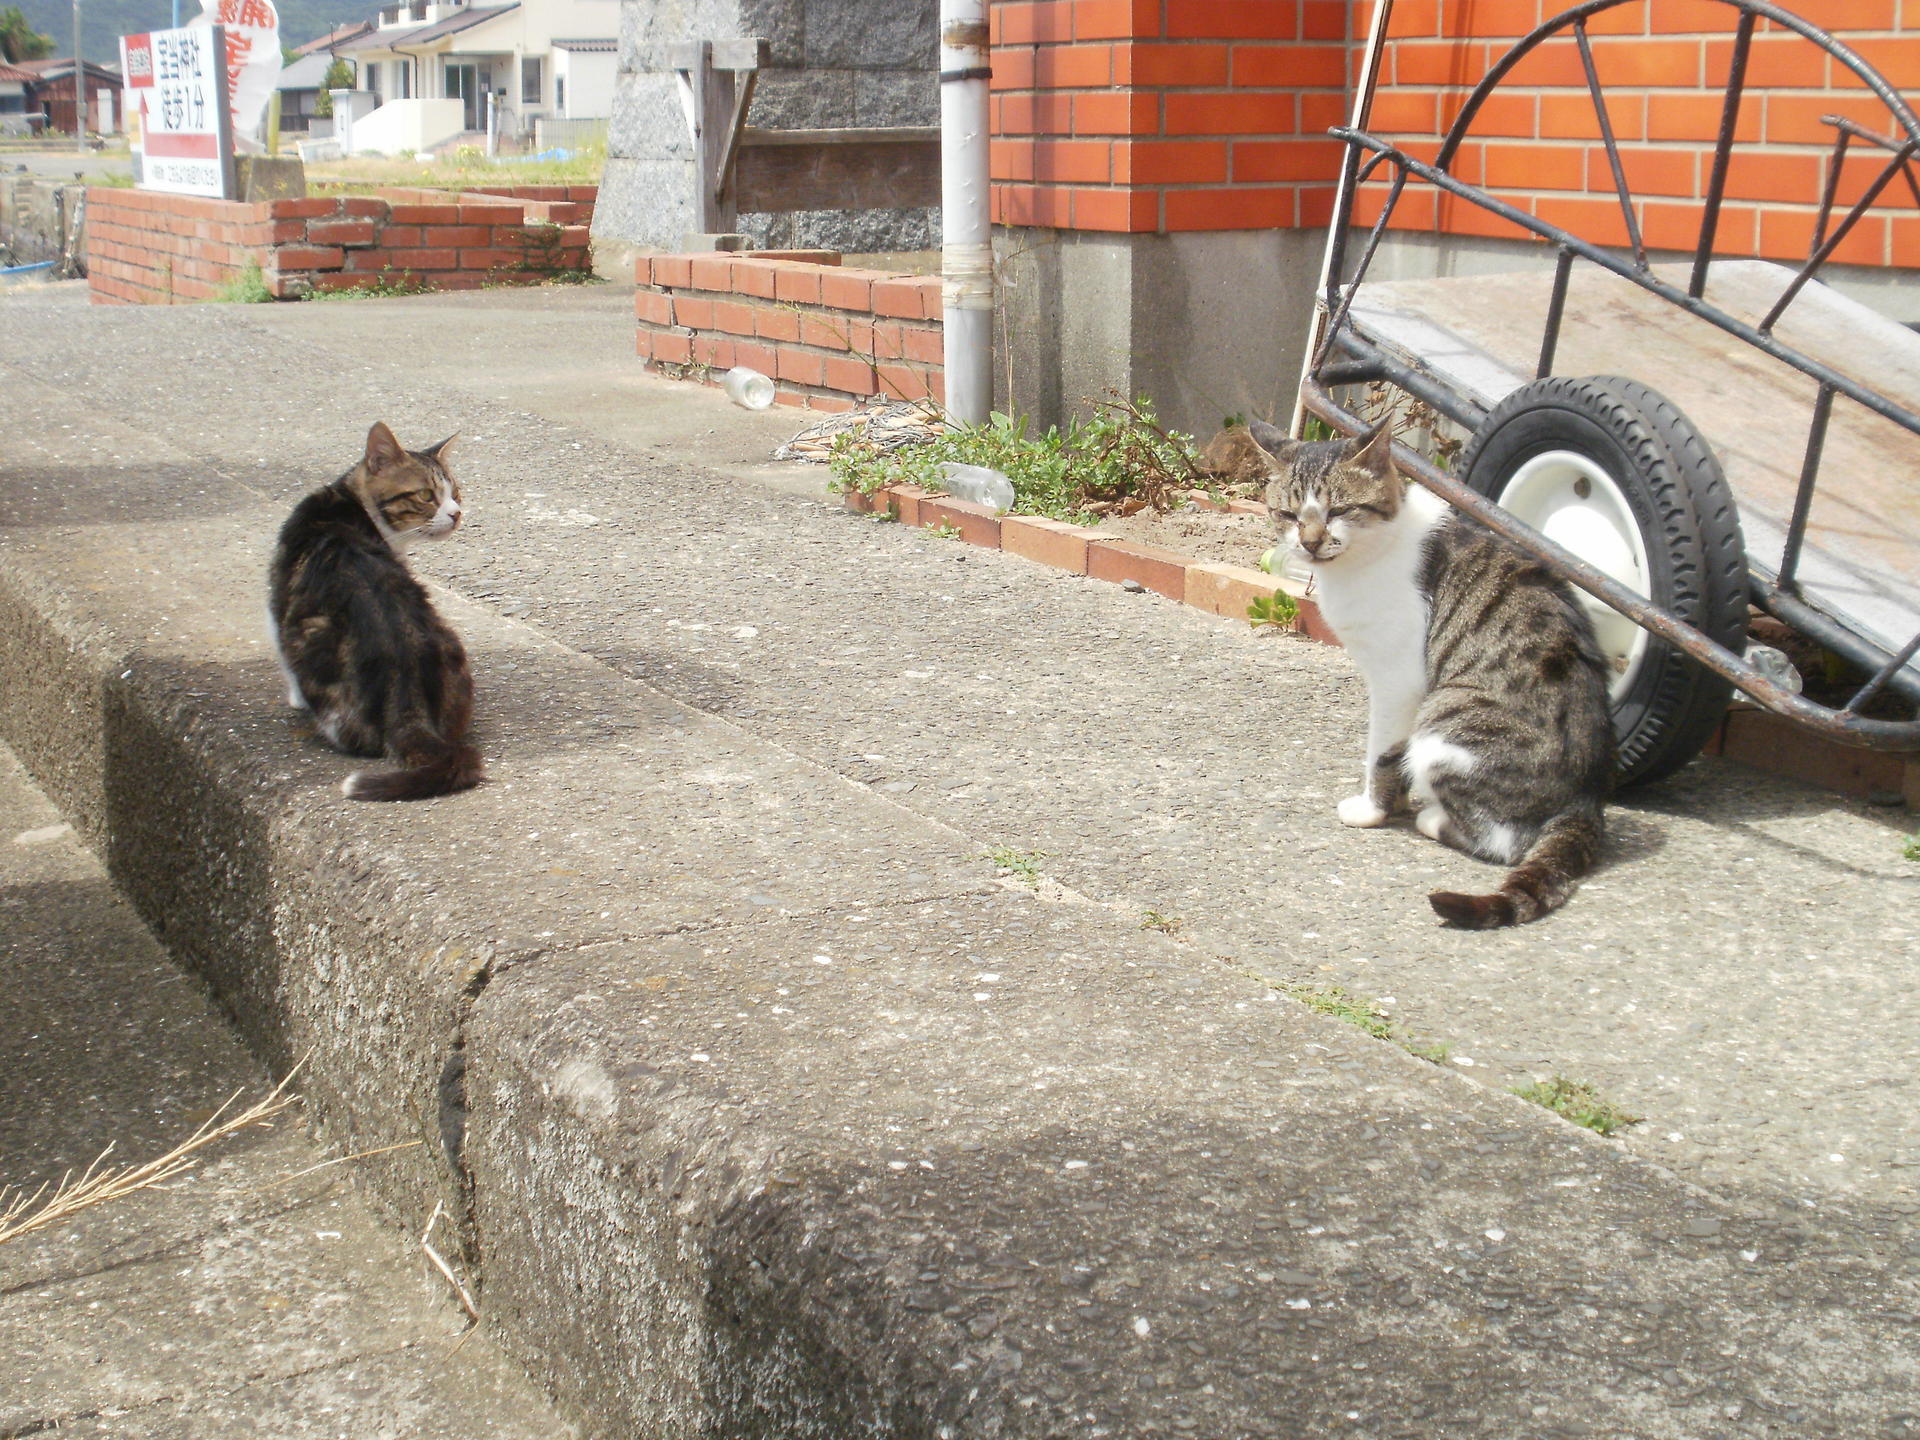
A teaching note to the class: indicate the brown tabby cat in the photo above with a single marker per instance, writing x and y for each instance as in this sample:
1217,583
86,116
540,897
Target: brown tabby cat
359,641
1487,694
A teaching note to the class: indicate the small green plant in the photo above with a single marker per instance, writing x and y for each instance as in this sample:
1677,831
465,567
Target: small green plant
1912,848
1333,1000
1579,1102
389,284
1121,457
1278,609
1367,1015
1024,864
1159,920
249,287
945,530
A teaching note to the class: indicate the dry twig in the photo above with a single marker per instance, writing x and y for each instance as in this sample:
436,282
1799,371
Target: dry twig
466,1300
21,1212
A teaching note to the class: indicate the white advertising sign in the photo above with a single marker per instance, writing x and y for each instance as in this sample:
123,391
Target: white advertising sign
177,97
252,28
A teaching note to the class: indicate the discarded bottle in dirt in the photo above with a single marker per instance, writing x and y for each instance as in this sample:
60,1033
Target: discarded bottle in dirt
1775,666
748,389
977,485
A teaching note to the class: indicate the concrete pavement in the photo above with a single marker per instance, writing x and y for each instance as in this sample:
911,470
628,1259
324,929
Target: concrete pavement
756,1090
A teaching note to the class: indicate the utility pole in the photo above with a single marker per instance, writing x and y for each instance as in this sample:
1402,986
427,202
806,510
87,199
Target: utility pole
79,87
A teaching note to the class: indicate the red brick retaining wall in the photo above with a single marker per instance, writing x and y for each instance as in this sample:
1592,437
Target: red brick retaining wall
149,248
829,335
1172,115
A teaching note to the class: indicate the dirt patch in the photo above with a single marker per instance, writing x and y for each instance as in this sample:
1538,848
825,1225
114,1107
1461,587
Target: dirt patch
1206,535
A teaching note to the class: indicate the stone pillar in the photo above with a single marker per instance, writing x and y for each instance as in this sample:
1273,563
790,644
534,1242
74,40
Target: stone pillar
834,64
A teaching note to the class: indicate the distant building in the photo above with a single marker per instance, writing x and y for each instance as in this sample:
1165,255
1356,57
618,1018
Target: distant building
15,86
538,59
52,89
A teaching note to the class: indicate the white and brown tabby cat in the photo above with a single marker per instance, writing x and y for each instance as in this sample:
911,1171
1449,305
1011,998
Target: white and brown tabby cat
359,641
1487,694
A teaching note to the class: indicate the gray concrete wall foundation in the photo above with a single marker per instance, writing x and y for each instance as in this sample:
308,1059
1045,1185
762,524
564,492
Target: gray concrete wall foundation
1208,325
834,64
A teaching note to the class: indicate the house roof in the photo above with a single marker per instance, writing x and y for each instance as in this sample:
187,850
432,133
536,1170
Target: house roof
17,75
588,47
42,71
335,38
306,73
425,34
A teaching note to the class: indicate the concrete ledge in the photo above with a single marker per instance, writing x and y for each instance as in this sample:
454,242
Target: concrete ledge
768,1113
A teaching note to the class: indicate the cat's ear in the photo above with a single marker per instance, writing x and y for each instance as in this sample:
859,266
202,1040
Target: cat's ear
435,450
1373,451
382,449
1272,439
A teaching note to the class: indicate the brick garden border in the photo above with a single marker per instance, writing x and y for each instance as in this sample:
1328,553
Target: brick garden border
145,247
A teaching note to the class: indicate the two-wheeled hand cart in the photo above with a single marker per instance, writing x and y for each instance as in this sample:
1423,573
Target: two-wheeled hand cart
1679,439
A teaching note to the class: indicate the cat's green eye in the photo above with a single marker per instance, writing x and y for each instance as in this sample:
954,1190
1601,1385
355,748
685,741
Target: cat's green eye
1338,510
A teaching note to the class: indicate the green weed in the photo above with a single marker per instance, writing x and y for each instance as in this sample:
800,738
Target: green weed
1334,1001
1579,1102
249,287
1159,920
1279,610
1024,864
1119,455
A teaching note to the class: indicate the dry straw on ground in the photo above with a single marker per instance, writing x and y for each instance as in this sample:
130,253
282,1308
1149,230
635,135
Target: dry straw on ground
22,1212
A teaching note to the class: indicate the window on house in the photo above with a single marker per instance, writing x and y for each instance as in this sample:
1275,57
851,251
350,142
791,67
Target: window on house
529,79
403,81
560,95
370,78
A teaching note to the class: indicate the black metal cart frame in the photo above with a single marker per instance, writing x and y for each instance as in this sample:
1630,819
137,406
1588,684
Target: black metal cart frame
1344,357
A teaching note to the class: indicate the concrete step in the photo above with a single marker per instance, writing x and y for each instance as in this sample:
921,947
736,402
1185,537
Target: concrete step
255,1294
767,1108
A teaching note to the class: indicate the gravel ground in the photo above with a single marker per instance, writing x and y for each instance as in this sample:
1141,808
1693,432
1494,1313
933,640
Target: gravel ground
1741,974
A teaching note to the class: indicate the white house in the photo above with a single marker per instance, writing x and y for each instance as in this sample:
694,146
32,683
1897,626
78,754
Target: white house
431,67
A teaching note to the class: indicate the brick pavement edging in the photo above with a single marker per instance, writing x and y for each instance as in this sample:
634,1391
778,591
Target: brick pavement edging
1224,590
828,335
149,248
1749,736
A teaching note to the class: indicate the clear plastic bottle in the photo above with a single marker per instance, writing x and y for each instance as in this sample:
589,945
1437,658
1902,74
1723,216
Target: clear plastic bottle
977,485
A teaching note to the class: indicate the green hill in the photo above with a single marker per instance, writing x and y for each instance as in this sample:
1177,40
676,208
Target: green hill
103,22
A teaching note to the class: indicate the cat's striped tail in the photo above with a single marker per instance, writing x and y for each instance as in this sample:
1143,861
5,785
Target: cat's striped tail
1543,881
430,765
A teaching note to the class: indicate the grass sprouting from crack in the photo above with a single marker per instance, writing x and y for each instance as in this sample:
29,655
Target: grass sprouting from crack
1579,1102
1366,1015
1336,1002
1025,864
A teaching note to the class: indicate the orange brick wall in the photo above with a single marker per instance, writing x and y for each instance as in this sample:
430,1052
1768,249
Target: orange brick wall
829,335
149,248
1166,115
1172,115
1663,67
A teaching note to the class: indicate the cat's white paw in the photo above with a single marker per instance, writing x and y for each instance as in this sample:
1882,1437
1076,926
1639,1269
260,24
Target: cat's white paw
1360,812
295,698
1432,823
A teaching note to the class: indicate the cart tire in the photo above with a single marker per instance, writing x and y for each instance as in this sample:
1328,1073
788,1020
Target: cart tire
1655,503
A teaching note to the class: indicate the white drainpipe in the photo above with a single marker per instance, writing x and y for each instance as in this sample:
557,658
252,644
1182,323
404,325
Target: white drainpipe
966,261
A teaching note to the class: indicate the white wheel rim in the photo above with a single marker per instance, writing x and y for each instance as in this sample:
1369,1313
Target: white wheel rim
1571,500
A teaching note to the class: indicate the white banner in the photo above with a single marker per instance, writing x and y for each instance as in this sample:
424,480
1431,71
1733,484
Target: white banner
252,29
